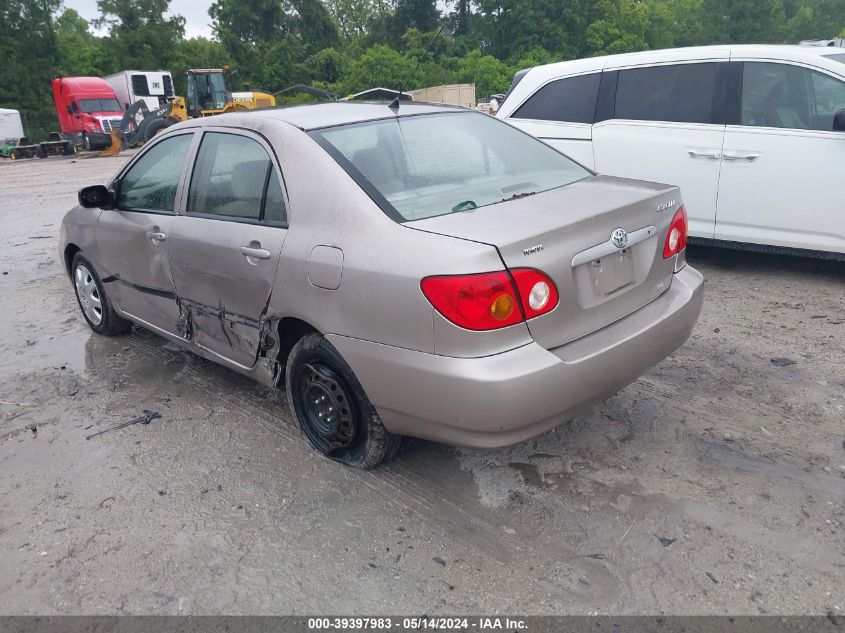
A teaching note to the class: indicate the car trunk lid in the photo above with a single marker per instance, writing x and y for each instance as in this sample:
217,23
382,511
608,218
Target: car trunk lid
567,234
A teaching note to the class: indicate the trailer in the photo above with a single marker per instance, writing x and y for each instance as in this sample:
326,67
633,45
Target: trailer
22,147
55,145
10,124
154,88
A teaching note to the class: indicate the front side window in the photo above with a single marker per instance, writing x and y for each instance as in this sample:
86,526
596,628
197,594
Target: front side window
571,100
99,105
231,175
682,93
150,184
431,165
786,96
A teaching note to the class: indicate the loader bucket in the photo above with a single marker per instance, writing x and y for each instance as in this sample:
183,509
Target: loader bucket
114,148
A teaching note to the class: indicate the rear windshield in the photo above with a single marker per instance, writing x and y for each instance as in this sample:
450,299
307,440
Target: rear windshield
839,57
423,166
99,105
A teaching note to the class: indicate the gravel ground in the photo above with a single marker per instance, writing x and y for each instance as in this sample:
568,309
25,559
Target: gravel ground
712,485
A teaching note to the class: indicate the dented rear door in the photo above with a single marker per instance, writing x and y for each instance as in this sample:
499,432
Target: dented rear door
224,249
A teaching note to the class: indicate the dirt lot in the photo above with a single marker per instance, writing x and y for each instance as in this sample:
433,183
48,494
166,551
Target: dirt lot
714,484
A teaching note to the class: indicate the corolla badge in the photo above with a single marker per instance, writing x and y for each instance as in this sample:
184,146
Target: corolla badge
619,238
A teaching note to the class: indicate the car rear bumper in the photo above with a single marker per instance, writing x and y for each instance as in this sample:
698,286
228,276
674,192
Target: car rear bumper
509,397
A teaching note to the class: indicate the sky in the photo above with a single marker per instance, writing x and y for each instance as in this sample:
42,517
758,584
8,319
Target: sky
195,13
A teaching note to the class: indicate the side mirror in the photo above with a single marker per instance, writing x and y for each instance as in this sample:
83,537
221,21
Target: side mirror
839,121
96,197
69,110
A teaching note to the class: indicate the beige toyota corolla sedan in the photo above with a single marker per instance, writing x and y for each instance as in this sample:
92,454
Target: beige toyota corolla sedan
428,271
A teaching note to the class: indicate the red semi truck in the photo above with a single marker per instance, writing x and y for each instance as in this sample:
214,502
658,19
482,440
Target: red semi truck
88,110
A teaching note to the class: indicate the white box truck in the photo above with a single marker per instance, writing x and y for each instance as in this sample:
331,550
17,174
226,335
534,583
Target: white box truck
152,87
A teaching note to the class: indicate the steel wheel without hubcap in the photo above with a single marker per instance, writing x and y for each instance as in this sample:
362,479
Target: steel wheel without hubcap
89,294
326,406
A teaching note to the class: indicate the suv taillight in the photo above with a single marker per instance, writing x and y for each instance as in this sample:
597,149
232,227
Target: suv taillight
676,238
489,301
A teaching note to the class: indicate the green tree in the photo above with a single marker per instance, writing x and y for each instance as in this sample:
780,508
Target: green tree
813,19
314,26
80,53
621,28
29,54
140,34
354,18
378,66
687,26
422,15
743,21
489,75
247,29
327,67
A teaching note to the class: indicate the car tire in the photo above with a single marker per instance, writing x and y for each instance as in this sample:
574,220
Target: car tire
332,409
93,301
13,155
86,142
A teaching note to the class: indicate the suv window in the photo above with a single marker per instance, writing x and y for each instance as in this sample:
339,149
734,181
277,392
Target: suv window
150,184
572,100
231,177
786,96
681,93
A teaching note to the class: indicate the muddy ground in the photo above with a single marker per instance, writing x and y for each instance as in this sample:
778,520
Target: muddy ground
714,484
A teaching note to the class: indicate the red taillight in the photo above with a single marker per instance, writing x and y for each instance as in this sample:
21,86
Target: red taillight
537,292
676,239
488,301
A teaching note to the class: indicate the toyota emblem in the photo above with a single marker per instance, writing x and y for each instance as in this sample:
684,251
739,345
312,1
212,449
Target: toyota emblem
619,238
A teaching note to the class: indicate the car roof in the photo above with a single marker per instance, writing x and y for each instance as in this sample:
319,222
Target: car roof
320,115
588,64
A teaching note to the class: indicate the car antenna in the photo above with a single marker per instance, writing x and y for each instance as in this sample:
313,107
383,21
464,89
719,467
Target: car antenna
394,105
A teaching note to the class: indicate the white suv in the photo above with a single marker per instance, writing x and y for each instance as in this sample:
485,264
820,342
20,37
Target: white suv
754,135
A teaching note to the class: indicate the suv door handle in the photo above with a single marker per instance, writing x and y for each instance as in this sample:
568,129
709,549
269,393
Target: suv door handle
704,153
156,236
257,253
740,156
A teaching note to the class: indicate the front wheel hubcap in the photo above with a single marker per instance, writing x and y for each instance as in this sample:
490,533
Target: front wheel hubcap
89,294
326,407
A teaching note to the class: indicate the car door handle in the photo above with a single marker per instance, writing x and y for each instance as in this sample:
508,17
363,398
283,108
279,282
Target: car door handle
741,156
704,153
257,253
156,236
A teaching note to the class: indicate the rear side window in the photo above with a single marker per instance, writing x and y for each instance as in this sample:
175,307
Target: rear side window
231,179
682,93
150,184
572,100
274,203
787,96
